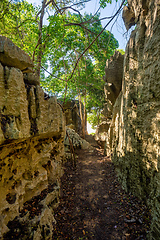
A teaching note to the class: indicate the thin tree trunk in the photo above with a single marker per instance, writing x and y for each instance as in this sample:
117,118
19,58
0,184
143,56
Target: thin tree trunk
82,117
85,93
81,114
66,86
39,57
65,93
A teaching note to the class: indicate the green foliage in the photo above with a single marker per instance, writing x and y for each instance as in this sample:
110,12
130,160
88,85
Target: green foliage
94,117
63,38
19,24
121,51
88,77
75,40
103,3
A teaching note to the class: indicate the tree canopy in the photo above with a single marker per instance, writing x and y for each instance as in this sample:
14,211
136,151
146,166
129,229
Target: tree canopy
69,49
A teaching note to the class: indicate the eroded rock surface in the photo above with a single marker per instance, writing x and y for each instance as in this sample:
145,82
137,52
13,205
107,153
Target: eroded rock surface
72,109
31,150
101,133
128,17
13,56
134,135
77,142
113,85
113,81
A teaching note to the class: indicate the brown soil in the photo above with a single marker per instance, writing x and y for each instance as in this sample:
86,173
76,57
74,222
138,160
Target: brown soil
93,205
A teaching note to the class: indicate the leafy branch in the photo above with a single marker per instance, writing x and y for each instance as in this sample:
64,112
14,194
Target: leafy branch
120,8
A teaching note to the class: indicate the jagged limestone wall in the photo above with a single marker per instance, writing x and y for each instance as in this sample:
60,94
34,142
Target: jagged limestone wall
113,85
73,116
135,130
32,131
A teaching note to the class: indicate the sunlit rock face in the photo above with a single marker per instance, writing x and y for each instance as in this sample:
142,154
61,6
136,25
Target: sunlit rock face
13,56
31,149
135,126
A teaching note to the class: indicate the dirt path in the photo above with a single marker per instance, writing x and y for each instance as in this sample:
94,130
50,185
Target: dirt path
93,205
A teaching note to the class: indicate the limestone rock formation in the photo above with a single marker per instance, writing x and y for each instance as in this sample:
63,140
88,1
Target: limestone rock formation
31,79
31,150
113,85
13,56
134,134
128,17
101,133
72,114
113,81
77,141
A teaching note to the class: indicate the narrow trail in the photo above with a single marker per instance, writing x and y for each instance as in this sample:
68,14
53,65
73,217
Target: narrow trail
93,205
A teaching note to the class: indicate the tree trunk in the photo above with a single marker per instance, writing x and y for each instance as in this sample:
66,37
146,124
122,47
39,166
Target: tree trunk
81,115
39,56
66,86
